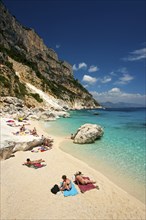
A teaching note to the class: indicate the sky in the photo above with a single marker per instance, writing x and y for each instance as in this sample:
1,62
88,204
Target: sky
104,41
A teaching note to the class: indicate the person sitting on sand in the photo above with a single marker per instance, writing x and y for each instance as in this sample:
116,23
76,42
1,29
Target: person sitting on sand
16,133
34,132
66,185
47,143
32,162
72,136
79,178
22,129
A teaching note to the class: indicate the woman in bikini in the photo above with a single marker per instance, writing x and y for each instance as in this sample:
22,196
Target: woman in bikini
82,180
31,162
66,185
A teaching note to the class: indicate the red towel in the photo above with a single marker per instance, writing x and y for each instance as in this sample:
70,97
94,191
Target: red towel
38,165
84,188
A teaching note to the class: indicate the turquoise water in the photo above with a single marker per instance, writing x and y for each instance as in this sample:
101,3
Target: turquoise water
120,154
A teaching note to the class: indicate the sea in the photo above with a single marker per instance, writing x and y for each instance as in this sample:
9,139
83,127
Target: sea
120,154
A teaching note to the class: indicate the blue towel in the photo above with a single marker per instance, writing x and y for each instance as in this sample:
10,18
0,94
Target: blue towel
72,192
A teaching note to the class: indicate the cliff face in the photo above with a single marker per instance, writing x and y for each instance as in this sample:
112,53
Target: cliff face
25,58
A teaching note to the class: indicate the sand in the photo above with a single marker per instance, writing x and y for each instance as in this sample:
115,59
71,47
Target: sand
25,192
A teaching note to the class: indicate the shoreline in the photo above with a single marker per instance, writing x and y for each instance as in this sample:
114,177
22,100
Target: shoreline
62,139
28,186
124,183
108,171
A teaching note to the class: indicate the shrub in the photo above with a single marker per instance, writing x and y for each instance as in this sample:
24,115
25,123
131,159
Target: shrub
4,81
36,96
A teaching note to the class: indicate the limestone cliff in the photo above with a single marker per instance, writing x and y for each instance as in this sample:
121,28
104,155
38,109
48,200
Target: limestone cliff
24,58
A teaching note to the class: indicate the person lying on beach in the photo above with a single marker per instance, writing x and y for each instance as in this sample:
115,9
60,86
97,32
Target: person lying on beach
66,184
32,162
13,124
21,132
16,133
79,178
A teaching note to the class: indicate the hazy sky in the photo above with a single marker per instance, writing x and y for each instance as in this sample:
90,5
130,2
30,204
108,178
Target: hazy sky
104,41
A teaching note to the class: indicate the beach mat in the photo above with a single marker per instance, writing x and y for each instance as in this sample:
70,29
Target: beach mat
72,192
87,187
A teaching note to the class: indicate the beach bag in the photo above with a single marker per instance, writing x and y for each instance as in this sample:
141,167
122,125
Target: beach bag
55,189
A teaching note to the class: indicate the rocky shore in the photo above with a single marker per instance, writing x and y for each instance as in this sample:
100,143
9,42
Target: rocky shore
14,109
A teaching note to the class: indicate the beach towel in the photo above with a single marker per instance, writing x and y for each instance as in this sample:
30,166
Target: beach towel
42,149
72,192
87,187
35,165
9,121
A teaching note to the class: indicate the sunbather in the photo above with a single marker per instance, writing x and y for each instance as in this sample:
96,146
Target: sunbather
79,178
16,133
32,162
47,143
22,129
66,185
34,132
13,124
72,136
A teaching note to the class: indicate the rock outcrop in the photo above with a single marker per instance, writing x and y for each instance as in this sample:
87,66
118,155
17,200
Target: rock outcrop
13,147
29,145
88,133
17,109
6,153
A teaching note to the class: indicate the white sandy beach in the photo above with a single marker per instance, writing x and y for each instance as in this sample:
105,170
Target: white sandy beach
25,192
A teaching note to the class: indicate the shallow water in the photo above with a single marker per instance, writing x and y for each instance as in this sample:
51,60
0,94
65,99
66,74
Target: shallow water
120,154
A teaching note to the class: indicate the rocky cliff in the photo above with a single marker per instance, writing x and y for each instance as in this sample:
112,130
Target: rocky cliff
24,58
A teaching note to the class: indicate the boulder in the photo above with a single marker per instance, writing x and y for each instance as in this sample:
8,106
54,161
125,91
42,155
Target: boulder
47,115
88,133
24,146
6,152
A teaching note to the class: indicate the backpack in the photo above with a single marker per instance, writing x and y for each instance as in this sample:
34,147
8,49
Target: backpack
55,189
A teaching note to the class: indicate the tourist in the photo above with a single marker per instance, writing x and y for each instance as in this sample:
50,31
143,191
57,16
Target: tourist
34,132
81,179
66,184
32,162
72,136
47,143
22,129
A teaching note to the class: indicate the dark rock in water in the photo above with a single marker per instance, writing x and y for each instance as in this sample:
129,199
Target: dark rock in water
96,113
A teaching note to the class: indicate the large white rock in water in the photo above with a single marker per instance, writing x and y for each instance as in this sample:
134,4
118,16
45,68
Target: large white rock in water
88,133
